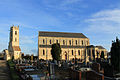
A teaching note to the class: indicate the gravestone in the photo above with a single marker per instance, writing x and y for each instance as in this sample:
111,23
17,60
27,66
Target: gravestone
18,61
21,61
59,64
51,69
47,62
55,61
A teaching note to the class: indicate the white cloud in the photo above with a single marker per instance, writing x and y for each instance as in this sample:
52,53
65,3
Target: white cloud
107,21
104,26
107,15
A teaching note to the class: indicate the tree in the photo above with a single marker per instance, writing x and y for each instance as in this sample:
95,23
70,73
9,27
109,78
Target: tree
115,55
56,51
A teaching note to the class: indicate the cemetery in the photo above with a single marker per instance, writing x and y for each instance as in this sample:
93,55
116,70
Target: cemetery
54,70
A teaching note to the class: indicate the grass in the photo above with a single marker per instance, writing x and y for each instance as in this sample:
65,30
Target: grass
13,73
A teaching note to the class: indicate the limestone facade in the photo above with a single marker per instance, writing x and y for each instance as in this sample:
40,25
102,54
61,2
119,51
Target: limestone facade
73,45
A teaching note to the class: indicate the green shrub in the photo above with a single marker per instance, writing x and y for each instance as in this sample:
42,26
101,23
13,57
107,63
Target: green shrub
13,73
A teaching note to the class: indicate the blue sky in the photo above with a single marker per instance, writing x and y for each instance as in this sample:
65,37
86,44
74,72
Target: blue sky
99,20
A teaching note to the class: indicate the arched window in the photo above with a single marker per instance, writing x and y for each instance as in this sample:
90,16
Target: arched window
72,52
76,42
63,42
50,41
43,41
43,52
56,41
70,42
82,42
102,54
79,52
93,53
89,53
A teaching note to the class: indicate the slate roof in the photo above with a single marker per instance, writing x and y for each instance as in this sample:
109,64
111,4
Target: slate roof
61,34
92,46
16,48
100,47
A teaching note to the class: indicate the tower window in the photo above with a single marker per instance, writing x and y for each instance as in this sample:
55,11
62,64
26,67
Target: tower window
72,52
43,52
15,39
15,32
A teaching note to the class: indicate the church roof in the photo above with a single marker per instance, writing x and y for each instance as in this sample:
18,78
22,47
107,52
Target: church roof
100,47
16,48
61,34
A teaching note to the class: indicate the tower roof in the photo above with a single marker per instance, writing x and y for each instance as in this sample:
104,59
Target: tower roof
16,48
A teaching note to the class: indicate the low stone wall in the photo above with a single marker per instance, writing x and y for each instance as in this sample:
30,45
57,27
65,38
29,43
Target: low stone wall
92,75
85,75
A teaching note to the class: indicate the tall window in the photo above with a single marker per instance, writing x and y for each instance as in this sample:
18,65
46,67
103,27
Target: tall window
63,42
76,42
43,52
72,52
50,41
43,41
89,53
78,52
15,32
82,42
70,42
56,41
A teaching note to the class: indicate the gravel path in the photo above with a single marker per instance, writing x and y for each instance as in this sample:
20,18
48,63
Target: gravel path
4,71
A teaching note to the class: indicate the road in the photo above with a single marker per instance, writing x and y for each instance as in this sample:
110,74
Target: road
4,71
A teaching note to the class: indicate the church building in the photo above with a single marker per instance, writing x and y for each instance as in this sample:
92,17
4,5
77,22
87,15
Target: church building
73,45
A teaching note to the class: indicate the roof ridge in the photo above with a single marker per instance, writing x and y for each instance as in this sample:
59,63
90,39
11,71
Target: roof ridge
61,34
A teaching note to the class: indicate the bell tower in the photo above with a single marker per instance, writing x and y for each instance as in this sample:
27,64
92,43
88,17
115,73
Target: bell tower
13,47
14,36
